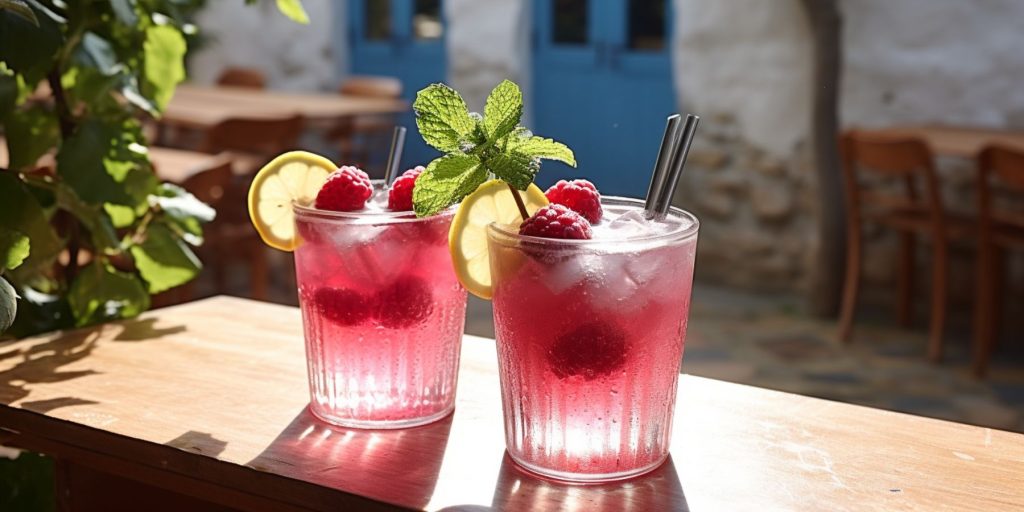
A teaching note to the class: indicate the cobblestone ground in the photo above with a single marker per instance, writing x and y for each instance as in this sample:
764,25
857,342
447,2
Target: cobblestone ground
766,342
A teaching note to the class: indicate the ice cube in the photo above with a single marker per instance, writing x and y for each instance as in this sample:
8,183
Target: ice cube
628,225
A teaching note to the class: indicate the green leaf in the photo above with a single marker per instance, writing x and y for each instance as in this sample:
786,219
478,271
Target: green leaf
503,110
28,48
120,216
100,293
8,304
293,9
80,162
514,168
180,203
542,148
20,211
40,312
30,134
445,182
125,11
96,52
8,91
164,68
163,260
442,118
98,225
14,248
22,10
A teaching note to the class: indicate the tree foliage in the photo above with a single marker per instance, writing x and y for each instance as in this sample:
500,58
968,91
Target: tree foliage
89,237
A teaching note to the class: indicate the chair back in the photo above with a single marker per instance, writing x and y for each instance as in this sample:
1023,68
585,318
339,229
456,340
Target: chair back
263,137
243,77
210,184
885,157
1000,176
372,87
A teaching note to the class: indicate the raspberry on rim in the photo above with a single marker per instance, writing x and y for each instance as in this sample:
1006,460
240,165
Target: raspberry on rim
581,196
556,221
345,190
400,194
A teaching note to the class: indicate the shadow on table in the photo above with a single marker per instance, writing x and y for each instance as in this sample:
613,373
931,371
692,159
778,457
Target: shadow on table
394,466
42,362
518,490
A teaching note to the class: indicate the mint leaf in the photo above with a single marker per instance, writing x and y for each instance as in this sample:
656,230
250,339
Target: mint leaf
14,248
514,168
163,260
442,118
503,110
542,148
445,182
294,10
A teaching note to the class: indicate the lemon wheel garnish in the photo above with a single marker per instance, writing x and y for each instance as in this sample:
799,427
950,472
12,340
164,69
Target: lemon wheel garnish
295,176
467,239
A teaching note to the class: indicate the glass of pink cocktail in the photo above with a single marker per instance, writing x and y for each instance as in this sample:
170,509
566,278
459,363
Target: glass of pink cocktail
590,337
383,314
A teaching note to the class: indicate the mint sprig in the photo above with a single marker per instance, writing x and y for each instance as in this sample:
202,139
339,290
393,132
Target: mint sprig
476,147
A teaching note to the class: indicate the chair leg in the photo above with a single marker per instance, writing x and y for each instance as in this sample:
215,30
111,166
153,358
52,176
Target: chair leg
905,280
983,312
258,274
851,286
938,314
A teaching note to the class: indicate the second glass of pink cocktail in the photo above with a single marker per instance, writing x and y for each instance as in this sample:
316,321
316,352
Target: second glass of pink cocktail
590,339
383,314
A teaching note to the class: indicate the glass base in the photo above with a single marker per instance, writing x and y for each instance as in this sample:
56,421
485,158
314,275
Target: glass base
381,424
584,478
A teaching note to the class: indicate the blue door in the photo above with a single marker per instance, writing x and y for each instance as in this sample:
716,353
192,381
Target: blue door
603,85
403,39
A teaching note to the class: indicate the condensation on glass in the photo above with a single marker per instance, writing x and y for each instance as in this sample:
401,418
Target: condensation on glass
647,25
377,20
426,20
569,21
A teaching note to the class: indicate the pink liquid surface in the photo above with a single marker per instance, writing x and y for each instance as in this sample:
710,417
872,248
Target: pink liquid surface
590,341
383,315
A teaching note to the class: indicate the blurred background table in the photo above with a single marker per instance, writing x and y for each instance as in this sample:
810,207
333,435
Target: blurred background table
202,406
957,141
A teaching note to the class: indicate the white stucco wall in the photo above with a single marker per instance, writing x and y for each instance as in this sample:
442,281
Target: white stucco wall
949,61
747,60
293,56
488,41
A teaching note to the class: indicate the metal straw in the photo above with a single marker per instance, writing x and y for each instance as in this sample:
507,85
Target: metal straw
679,153
395,155
661,165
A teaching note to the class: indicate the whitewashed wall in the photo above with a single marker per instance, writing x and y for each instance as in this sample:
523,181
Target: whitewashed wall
293,56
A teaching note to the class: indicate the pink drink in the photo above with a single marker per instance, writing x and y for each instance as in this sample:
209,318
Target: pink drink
383,315
590,340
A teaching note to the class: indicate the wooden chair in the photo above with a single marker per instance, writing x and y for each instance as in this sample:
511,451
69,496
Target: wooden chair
250,143
359,137
242,77
999,228
908,161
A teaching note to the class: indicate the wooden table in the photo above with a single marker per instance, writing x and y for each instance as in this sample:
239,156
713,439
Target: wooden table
200,107
956,141
178,165
208,399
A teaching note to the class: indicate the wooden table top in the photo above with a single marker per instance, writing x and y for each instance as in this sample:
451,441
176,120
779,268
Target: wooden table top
964,142
213,393
200,107
178,165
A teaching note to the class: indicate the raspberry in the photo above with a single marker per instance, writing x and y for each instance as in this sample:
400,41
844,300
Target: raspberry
400,195
404,303
581,196
341,306
591,351
556,221
345,190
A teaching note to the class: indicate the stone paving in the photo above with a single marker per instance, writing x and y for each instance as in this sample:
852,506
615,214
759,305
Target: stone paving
766,342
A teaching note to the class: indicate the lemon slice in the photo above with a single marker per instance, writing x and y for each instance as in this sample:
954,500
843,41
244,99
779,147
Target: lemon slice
295,176
467,239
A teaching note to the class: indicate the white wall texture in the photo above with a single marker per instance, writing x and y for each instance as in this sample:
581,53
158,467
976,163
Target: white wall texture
293,56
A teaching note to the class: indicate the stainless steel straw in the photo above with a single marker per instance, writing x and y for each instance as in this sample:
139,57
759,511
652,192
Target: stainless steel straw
679,153
395,155
661,165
